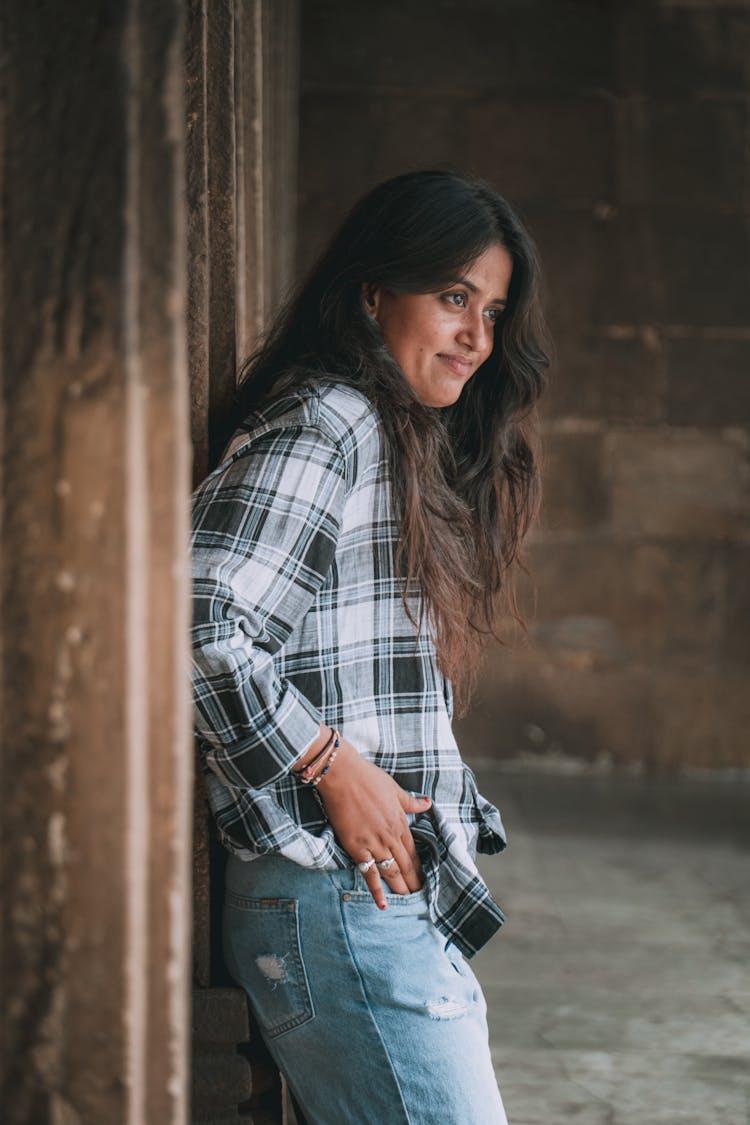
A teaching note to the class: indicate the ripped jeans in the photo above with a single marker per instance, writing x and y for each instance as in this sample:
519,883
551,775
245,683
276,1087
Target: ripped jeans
368,1015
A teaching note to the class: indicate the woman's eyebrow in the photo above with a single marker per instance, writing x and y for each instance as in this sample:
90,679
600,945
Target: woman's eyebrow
470,285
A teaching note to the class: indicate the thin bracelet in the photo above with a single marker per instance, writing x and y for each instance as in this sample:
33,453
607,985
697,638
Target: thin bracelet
310,771
314,761
314,786
314,779
320,752
309,775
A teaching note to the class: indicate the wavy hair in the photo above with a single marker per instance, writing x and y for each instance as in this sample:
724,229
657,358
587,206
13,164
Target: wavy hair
465,478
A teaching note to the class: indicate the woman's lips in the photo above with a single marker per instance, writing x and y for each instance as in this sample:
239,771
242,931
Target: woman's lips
457,365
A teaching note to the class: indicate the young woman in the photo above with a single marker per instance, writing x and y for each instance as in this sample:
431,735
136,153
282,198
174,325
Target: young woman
350,555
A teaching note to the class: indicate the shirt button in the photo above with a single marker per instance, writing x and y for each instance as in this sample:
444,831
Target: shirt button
347,897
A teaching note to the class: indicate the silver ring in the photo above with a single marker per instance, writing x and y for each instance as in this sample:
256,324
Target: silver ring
386,864
365,865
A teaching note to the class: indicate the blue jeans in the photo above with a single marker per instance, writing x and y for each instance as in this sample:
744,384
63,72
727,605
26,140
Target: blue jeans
368,1015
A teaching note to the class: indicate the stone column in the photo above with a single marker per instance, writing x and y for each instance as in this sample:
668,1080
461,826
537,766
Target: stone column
241,69
266,132
96,747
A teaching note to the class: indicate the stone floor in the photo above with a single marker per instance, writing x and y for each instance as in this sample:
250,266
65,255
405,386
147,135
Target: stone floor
619,987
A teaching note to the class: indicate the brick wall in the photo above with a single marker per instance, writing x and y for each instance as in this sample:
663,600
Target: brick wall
620,131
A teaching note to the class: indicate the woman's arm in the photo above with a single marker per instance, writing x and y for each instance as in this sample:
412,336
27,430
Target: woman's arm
264,539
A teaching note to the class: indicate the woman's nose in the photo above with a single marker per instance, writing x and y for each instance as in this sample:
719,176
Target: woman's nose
475,331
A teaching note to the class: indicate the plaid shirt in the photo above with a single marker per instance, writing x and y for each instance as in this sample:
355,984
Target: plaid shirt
298,620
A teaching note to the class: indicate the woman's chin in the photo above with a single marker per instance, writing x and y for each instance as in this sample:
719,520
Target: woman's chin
446,397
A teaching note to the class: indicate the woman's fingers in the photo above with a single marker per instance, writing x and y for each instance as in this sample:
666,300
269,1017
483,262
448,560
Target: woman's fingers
415,867
396,869
372,877
390,871
406,866
401,871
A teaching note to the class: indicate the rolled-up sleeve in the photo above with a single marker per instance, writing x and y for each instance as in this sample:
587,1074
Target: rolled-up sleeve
264,536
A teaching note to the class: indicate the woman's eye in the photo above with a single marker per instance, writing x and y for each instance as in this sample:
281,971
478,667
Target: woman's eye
457,299
494,315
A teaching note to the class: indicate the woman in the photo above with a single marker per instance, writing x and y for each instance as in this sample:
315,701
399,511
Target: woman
348,554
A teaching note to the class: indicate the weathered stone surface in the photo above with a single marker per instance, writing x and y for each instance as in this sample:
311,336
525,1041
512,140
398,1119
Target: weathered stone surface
694,48
704,140
264,70
94,862
567,242
576,494
220,1015
582,640
702,263
242,82
599,267
432,46
629,288
212,236
221,1081
680,482
535,149
708,381
234,1116
328,188
615,377
665,599
201,943
390,141
736,632
539,701
557,704
703,719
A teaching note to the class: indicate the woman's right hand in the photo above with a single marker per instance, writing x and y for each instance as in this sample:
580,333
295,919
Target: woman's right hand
367,811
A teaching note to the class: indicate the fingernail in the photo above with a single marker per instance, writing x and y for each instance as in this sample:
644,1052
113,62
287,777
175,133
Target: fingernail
382,906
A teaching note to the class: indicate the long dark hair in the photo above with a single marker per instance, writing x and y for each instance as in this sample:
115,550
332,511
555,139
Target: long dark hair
465,478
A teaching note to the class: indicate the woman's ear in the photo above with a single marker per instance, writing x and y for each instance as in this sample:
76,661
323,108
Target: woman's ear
371,299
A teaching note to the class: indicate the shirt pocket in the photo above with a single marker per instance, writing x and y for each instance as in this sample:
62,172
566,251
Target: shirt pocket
263,954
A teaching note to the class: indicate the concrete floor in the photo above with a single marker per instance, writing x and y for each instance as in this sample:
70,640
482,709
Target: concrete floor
619,987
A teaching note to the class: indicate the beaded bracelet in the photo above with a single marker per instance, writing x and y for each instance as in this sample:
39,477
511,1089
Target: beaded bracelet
310,775
314,784
317,780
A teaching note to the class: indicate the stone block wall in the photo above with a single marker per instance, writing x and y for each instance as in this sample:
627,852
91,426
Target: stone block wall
619,130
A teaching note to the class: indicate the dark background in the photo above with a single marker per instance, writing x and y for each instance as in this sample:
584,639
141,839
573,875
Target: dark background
620,133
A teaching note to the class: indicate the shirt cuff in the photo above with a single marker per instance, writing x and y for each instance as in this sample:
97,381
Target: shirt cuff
274,747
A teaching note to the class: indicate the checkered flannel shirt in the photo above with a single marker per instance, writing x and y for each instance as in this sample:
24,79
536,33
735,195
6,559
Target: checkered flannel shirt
298,620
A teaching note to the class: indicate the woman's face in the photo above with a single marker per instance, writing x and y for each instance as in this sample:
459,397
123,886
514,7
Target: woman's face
440,339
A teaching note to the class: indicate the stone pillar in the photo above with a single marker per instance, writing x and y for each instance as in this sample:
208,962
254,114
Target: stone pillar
241,70
96,747
266,132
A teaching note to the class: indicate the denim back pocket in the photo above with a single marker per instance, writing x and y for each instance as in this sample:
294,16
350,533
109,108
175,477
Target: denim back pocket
263,953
